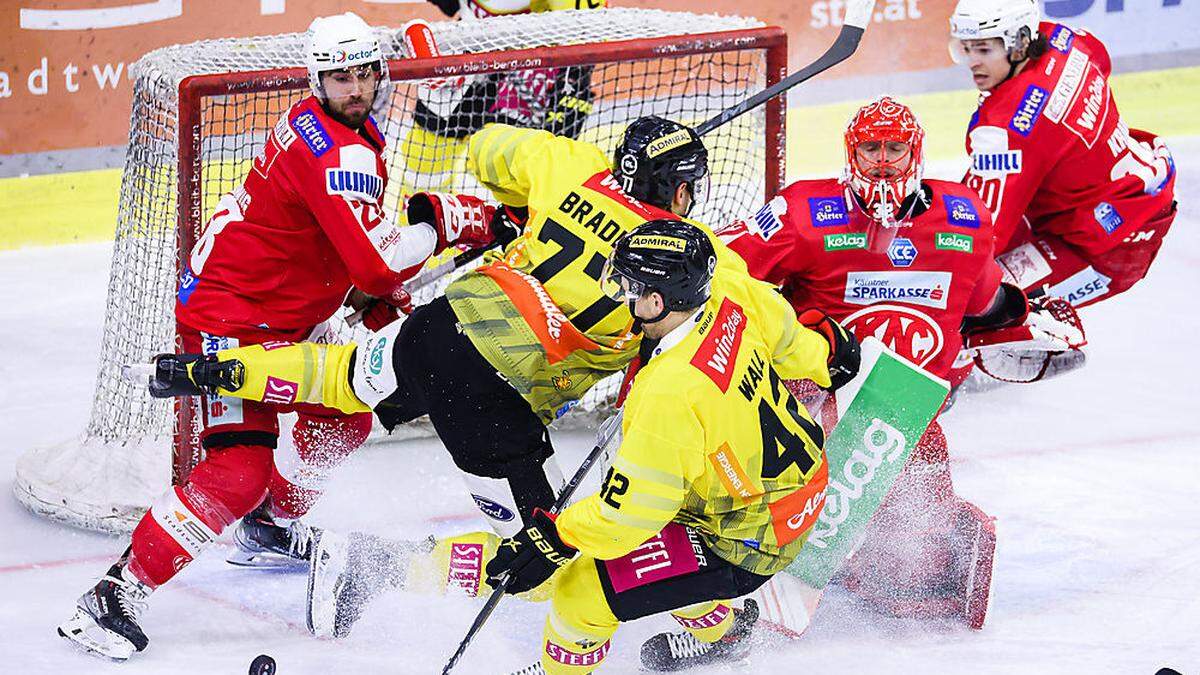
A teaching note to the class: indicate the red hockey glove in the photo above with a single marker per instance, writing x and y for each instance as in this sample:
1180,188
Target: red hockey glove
458,220
380,312
531,557
845,355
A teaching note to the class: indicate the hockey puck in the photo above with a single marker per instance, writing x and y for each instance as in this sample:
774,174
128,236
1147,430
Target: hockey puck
262,665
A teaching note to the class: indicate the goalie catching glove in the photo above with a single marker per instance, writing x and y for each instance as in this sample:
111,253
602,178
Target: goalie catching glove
531,557
845,355
1016,340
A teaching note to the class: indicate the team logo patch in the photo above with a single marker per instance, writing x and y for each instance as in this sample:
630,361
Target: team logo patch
828,211
357,184
668,143
312,133
909,332
466,566
1068,84
658,242
1108,218
571,657
492,509
845,241
953,241
375,360
187,285
280,392
717,354
995,163
961,212
1028,110
796,513
1062,38
1081,286
1087,114
766,222
902,252
915,288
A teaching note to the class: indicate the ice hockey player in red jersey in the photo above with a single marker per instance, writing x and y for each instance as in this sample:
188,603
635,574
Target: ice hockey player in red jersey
909,261
279,256
1080,201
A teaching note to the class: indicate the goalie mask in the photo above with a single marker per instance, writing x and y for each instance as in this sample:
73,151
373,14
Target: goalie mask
655,156
669,257
884,163
345,42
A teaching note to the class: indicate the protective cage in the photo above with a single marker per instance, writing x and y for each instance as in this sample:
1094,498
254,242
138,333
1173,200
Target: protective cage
202,112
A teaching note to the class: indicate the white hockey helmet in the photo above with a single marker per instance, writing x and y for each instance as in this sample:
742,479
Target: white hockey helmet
342,41
1013,21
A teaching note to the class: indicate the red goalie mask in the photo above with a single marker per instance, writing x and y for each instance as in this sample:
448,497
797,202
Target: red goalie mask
884,157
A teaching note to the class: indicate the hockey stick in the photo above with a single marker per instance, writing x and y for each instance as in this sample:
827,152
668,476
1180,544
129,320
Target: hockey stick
427,277
858,14
608,430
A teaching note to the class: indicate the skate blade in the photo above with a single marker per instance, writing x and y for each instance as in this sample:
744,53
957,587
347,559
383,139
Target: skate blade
85,634
327,563
265,560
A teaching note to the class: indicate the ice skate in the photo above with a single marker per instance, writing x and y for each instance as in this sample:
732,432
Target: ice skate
347,572
105,622
265,544
681,650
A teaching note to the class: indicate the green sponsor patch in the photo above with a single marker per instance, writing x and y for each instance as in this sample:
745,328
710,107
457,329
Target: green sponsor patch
846,241
953,241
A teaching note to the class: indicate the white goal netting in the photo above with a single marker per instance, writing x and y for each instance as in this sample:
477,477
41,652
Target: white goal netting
201,112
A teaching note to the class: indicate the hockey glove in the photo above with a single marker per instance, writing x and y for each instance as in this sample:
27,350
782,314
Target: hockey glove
380,312
531,557
458,220
845,355
508,222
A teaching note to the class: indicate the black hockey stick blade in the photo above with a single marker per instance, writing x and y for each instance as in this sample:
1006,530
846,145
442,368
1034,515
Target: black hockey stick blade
607,431
858,14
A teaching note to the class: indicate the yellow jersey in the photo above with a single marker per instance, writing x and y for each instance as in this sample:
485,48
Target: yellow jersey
535,310
713,440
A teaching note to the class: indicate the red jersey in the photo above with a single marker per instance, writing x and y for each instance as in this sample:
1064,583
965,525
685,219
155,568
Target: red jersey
812,240
1049,145
281,252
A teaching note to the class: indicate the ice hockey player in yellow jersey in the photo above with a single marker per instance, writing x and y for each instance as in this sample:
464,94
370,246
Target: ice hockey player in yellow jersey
720,473
519,339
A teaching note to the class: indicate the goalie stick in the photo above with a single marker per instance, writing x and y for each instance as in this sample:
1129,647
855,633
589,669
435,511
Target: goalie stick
608,431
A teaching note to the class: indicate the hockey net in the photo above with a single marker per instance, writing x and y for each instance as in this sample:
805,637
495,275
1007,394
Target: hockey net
202,111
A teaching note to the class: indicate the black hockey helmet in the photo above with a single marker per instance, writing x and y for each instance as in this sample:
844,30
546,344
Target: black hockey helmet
655,156
667,256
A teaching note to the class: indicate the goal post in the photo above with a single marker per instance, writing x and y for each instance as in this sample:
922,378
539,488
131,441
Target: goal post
201,113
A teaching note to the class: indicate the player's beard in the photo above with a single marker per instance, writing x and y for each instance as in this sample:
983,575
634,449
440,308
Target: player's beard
350,111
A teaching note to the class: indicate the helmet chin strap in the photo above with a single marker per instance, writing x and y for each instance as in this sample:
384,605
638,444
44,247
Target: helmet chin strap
639,322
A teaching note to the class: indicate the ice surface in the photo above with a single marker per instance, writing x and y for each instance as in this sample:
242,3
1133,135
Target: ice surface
1094,479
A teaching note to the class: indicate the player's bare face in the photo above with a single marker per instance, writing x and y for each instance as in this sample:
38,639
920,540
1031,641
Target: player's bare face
987,59
882,160
350,93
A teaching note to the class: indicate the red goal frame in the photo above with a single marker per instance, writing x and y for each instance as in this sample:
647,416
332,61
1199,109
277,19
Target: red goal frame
193,90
